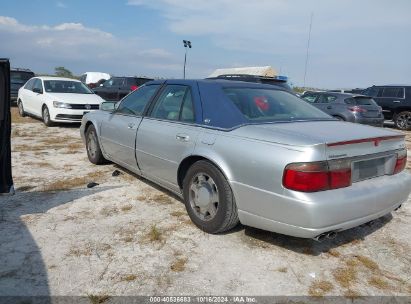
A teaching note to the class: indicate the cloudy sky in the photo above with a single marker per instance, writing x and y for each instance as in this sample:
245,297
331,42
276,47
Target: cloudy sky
354,43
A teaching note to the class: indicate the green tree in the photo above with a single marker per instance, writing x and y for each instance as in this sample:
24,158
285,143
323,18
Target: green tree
63,72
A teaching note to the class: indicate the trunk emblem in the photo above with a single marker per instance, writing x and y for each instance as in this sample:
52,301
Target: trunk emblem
88,107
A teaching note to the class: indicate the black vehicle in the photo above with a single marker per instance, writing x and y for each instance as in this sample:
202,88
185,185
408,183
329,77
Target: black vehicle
280,81
116,88
6,180
395,101
348,107
18,77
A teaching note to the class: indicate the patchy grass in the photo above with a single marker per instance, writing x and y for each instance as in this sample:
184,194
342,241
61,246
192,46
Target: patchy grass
282,269
155,197
154,235
178,213
352,294
378,283
81,251
128,239
345,277
320,288
97,299
16,118
72,182
126,208
367,262
108,211
179,264
333,252
128,278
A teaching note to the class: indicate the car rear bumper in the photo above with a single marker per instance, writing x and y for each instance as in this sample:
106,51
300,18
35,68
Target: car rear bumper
308,215
376,122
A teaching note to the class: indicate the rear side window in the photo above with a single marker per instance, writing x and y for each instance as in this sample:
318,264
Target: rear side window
360,101
174,103
393,92
135,103
323,98
114,82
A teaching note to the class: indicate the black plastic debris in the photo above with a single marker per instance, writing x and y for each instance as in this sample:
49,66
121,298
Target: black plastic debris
116,173
92,184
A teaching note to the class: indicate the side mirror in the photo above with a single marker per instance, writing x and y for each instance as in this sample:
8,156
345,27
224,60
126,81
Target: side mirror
37,90
109,106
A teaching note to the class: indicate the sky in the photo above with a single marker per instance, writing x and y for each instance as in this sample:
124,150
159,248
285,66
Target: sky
354,43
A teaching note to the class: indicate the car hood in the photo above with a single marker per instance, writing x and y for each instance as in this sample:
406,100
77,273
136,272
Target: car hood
76,98
311,133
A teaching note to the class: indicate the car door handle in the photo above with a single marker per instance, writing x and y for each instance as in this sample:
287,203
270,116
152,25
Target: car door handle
182,137
396,101
130,125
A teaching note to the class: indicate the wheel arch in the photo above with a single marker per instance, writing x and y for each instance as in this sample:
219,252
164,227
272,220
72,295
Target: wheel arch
187,162
401,109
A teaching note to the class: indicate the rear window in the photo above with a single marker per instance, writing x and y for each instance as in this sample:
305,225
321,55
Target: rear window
265,105
360,101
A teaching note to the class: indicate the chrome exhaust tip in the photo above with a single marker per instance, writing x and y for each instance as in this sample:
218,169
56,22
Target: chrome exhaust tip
320,238
331,235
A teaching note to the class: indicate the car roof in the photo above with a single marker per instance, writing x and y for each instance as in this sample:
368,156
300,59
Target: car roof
56,78
220,82
344,94
393,85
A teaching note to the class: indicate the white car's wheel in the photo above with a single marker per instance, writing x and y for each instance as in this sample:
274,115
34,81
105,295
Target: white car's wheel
21,108
46,116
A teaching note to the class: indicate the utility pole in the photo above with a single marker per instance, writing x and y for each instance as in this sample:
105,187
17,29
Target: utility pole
308,47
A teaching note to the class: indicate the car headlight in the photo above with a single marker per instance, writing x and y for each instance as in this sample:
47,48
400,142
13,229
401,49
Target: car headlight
58,104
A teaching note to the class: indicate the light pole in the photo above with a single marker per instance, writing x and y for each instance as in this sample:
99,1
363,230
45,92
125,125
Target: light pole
187,45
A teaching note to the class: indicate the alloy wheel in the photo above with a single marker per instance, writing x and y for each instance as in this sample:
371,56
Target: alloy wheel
203,197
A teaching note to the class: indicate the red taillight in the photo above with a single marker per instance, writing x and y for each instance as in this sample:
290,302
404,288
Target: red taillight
133,87
317,176
401,162
357,109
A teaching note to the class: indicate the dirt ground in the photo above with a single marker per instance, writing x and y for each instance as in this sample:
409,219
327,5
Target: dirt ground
129,237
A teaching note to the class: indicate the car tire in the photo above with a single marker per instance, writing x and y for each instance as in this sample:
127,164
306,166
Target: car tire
46,117
94,153
21,108
208,198
402,120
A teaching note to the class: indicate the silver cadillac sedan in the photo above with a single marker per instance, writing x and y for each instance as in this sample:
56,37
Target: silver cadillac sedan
252,153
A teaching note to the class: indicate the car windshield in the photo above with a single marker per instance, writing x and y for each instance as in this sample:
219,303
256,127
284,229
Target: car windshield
265,105
20,77
66,86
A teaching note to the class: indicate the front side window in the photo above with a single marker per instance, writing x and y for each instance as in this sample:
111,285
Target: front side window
136,102
37,85
174,103
265,105
309,97
66,86
29,84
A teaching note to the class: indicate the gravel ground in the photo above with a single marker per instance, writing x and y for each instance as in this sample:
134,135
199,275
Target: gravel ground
128,237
